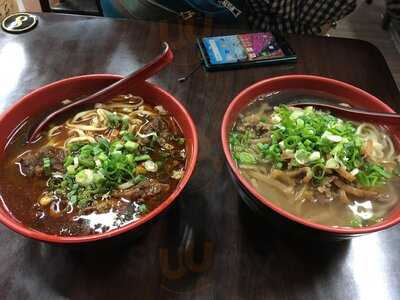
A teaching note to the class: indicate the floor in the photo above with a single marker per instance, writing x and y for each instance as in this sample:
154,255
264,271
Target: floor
364,23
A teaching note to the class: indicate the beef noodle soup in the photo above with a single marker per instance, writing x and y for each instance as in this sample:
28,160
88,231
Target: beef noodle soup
102,168
317,166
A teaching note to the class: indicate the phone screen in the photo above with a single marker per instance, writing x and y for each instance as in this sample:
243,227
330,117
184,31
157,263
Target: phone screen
242,48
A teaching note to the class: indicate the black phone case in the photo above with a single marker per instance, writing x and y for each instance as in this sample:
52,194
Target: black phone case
290,57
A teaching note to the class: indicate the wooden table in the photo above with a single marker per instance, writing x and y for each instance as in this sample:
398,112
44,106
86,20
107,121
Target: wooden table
209,245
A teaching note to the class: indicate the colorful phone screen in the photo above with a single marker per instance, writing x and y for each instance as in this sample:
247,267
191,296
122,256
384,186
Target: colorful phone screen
242,48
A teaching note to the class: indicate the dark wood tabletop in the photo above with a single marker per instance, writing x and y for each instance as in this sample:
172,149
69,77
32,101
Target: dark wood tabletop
209,245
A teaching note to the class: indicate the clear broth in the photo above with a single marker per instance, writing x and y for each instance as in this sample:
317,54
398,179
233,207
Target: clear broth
322,211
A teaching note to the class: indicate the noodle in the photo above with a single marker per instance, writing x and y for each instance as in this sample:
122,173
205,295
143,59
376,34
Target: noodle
53,131
141,112
78,131
300,194
79,139
382,146
83,116
271,182
346,175
86,127
343,197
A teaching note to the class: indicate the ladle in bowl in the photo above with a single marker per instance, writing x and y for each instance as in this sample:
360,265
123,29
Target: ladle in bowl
147,71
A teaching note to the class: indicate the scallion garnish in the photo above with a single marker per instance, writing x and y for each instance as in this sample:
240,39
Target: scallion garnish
306,137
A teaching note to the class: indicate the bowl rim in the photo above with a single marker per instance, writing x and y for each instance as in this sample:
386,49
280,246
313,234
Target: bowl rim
12,223
225,128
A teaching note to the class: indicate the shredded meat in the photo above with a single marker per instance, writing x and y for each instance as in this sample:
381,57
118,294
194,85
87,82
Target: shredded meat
101,206
346,175
323,197
32,163
252,119
353,190
113,134
287,155
282,176
262,128
104,206
343,197
325,187
271,181
368,148
306,170
144,190
162,141
328,180
155,125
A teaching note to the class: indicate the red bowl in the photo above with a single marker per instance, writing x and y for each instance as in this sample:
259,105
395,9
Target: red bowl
339,90
42,99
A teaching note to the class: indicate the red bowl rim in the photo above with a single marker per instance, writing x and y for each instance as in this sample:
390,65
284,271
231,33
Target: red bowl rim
225,128
37,235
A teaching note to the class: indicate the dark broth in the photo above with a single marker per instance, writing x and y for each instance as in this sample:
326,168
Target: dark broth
20,193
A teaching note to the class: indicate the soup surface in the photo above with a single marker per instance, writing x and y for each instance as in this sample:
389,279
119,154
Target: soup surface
102,168
315,165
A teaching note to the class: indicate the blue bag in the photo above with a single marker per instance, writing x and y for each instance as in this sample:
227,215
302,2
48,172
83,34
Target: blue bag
221,10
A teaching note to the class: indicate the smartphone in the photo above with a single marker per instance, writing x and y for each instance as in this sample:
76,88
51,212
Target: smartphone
244,50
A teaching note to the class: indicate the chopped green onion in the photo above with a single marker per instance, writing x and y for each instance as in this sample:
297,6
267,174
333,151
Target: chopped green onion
142,157
318,140
314,156
246,158
139,178
95,169
150,166
301,156
46,162
85,177
356,222
102,156
47,165
332,164
73,199
71,170
318,172
380,170
131,146
98,177
126,185
69,160
291,142
142,209
130,158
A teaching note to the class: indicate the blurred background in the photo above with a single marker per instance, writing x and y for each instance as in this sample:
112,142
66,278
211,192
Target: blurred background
375,21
